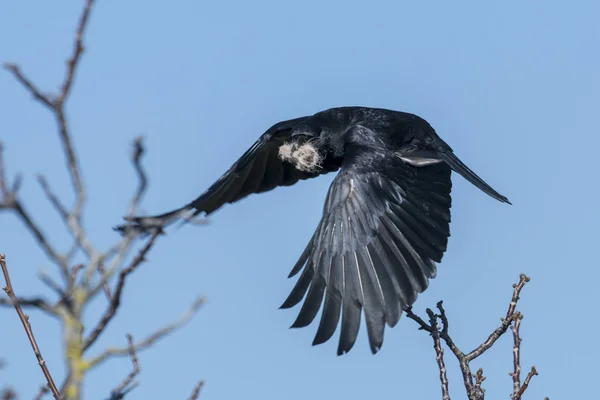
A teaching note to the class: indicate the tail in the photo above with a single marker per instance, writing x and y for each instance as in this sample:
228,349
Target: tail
454,162
149,223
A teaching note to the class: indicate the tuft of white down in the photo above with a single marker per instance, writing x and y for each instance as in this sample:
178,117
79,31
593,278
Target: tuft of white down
305,157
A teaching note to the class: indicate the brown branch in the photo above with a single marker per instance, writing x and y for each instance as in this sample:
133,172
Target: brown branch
153,338
105,286
523,388
29,85
122,247
138,152
439,353
116,298
516,374
127,386
8,394
60,208
4,192
25,321
43,391
473,383
34,302
56,106
77,51
482,348
479,378
196,391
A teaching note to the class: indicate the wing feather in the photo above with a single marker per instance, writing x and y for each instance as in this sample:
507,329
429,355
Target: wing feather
374,250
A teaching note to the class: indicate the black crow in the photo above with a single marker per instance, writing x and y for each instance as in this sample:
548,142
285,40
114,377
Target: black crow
386,216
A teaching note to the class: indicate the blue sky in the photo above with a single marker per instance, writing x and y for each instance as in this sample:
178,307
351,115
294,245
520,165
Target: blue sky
512,86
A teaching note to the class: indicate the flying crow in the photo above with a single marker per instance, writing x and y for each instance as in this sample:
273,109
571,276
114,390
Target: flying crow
386,216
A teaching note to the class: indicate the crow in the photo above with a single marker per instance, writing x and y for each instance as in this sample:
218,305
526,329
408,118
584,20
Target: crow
385,221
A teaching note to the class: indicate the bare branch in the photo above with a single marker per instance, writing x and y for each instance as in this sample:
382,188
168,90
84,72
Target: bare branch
62,210
479,378
10,201
116,299
43,391
138,152
473,383
523,279
34,302
523,388
29,85
25,321
128,385
124,244
8,394
4,192
439,353
516,374
153,338
105,286
77,51
196,391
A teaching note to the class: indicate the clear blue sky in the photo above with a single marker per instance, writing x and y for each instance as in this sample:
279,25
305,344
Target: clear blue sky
513,87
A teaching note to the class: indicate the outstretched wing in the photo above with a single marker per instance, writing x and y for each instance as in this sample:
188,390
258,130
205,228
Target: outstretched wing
258,170
374,249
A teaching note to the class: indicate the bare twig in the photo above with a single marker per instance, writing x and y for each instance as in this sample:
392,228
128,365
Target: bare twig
34,302
105,286
4,192
127,385
479,378
8,394
439,351
25,321
138,152
29,85
116,298
523,388
124,245
56,106
523,279
60,208
516,374
196,391
473,383
151,339
43,391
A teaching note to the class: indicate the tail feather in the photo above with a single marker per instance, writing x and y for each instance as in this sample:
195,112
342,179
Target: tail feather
149,223
458,166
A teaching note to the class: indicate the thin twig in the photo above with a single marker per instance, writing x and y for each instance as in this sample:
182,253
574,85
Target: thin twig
4,192
25,321
516,374
479,378
439,353
196,391
126,386
8,394
29,85
124,244
138,152
116,298
106,287
60,208
34,302
523,388
43,391
151,339
473,383
523,279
